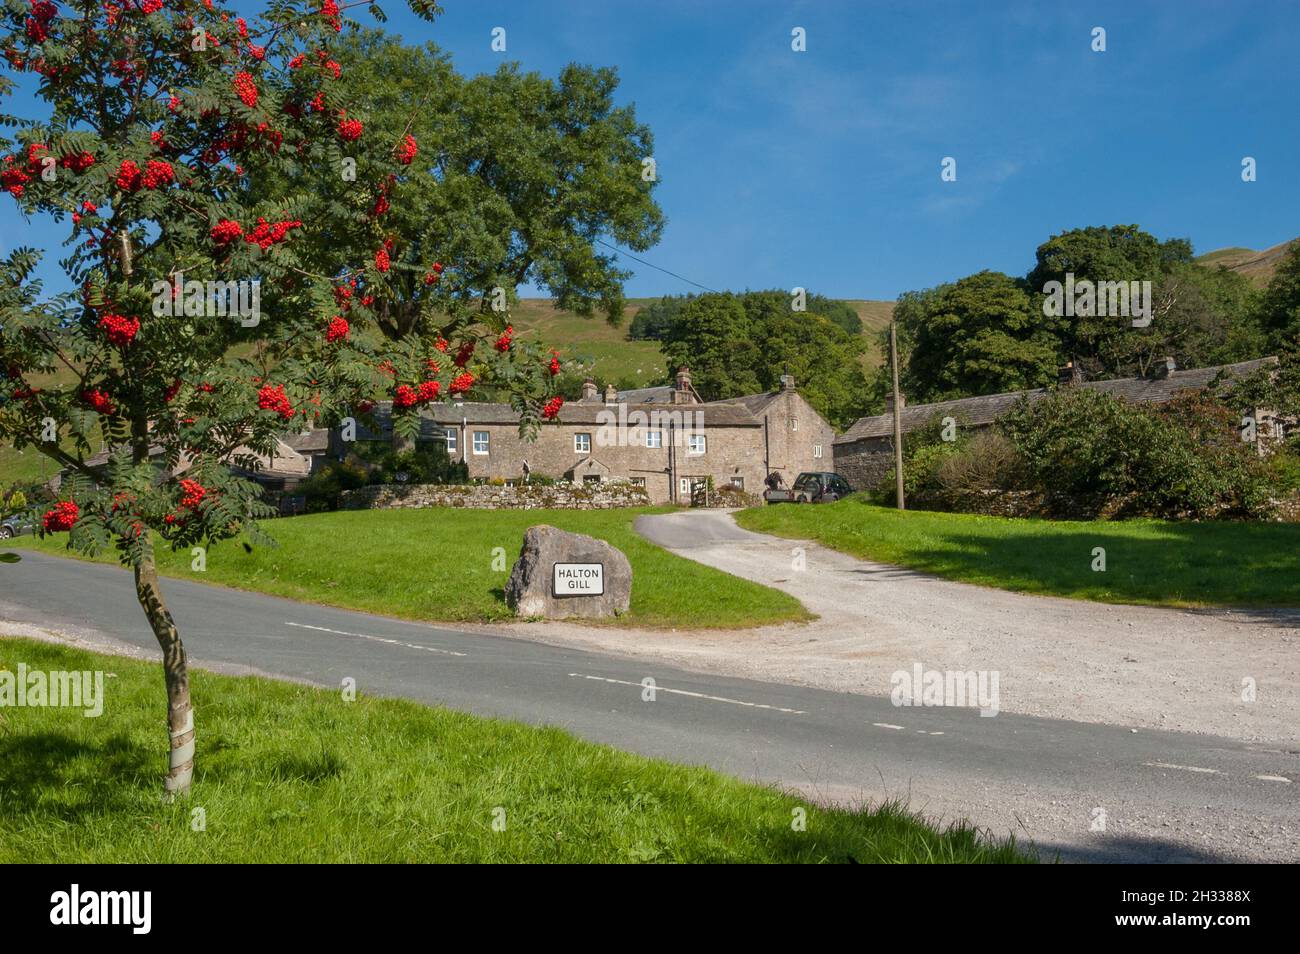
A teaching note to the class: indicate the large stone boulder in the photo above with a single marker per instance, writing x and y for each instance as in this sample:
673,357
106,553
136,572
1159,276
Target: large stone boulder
561,574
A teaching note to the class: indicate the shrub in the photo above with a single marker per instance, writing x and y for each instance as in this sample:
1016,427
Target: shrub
988,461
1184,458
321,491
427,463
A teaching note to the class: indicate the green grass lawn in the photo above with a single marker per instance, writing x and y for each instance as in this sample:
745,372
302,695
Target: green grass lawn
1147,561
287,773
438,564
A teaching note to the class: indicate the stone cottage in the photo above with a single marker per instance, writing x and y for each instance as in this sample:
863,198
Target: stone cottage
864,454
664,439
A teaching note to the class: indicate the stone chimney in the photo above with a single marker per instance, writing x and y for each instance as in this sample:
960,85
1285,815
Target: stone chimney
889,403
682,386
589,390
611,394
1068,375
787,382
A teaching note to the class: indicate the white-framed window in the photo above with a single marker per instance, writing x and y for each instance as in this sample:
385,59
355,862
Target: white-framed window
451,436
480,442
794,423
684,486
582,443
738,483
654,439
817,450
637,481
696,444
591,479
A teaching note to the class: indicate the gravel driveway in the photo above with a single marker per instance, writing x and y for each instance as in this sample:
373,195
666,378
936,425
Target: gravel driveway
1069,659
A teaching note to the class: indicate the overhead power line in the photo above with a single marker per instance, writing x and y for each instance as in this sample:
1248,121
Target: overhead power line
682,278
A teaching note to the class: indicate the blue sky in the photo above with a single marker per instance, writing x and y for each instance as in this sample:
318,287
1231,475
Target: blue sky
822,168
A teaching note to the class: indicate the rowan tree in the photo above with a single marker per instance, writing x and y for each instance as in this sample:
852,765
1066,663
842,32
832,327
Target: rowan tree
162,121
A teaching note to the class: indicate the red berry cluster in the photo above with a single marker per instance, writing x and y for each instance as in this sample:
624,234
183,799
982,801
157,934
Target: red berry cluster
463,354
245,89
192,493
155,174
38,24
349,129
330,11
381,260
61,517
552,407
266,234
121,330
99,400
78,161
151,6
503,342
226,231
461,383
273,398
338,329
407,150
555,363
405,396
15,174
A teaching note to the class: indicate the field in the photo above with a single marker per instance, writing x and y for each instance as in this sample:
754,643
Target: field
287,773
440,564
1147,561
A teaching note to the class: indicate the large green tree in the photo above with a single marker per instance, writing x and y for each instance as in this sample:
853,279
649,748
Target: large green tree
712,337
1198,316
980,335
518,178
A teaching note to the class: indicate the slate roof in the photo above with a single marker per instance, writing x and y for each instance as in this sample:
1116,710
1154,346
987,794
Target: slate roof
989,407
663,394
437,416
754,403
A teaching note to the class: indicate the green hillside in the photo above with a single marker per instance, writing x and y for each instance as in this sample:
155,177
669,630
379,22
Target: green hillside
1256,266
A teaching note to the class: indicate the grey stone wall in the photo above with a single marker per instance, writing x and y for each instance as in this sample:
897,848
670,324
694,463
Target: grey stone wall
865,464
606,496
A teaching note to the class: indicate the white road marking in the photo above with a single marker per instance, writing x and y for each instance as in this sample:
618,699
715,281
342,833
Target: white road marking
1183,768
694,695
1273,778
379,639
886,725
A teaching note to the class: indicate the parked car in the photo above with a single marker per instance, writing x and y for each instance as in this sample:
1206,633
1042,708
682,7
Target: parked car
14,526
819,487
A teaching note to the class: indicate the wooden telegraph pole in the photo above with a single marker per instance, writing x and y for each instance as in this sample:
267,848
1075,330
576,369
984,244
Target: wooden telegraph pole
898,426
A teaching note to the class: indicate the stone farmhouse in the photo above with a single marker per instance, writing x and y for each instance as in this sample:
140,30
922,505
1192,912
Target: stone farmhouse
664,439
864,454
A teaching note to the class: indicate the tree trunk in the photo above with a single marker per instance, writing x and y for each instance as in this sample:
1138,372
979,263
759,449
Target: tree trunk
180,714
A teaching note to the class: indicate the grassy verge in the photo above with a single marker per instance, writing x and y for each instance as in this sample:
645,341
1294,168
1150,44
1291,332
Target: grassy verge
443,564
1147,561
287,773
